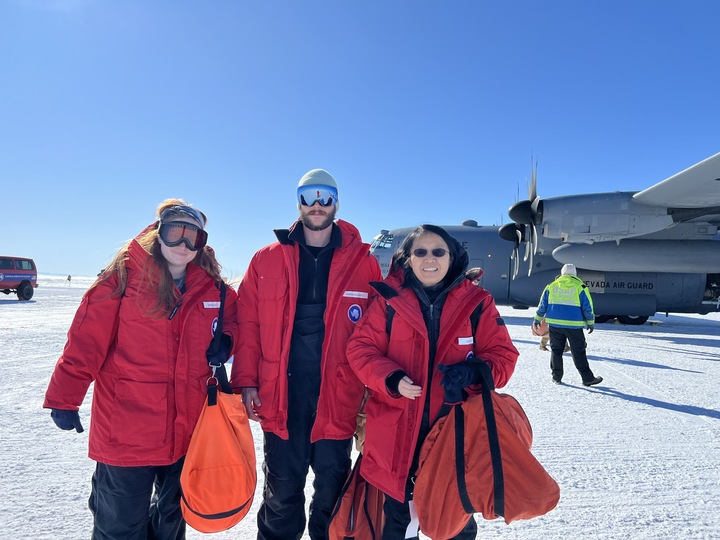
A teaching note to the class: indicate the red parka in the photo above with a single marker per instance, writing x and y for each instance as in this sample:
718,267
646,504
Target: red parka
150,374
267,298
393,421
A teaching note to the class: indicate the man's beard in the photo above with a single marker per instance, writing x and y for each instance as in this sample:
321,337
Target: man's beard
307,223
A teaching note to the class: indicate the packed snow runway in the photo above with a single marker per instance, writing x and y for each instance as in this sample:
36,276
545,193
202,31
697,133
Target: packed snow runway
636,457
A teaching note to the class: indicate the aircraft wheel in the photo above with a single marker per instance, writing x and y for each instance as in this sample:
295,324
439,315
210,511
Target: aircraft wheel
599,319
635,320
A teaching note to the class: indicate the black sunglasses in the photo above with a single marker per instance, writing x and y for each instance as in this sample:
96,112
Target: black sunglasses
437,252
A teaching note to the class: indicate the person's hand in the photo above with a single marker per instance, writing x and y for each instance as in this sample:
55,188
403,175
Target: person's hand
251,400
66,420
539,327
407,389
591,327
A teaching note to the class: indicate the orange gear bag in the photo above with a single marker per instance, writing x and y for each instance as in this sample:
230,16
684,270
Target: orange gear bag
478,459
218,478
358,513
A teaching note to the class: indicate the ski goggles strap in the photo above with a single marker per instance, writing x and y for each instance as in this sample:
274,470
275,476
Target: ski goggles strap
310,194
182,210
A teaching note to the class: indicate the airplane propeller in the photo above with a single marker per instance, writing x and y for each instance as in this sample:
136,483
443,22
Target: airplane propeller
526,215
512,232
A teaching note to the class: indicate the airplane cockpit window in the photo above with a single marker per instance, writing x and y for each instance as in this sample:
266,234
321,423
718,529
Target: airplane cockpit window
383,240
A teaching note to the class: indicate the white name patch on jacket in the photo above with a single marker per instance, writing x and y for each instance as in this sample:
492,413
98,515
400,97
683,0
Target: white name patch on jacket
211,305
355,294
465,340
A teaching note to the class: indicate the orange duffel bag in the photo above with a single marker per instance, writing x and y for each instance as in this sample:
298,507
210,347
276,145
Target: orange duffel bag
218,478
358,513
478,459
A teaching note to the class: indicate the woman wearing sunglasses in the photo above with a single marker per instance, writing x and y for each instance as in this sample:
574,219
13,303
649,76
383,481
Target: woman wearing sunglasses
141,334
416,334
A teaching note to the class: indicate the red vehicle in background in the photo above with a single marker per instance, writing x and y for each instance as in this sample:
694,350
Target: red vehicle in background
18,275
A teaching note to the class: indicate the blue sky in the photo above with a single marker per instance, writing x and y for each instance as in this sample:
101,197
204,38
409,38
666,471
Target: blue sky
424,111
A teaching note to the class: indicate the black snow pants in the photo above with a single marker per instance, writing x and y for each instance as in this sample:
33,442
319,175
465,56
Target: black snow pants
578,345
137,503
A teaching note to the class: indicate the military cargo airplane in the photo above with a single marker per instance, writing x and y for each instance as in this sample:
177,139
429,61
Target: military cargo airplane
639,253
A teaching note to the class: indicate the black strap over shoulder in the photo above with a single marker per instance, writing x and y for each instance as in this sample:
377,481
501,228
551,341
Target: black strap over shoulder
475,319
390,314
487,386
217,365
495,455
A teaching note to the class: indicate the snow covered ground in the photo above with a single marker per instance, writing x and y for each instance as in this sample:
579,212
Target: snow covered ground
636,457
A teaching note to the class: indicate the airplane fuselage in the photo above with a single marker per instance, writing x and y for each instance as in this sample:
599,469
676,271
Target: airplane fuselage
614,293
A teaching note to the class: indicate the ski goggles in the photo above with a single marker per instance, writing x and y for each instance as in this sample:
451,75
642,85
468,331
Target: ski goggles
437,252
311,194
174,233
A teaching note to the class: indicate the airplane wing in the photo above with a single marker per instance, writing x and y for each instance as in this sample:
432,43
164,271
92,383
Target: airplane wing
695,187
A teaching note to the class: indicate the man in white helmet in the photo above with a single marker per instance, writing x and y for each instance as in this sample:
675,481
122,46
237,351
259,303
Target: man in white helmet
298,303
566,306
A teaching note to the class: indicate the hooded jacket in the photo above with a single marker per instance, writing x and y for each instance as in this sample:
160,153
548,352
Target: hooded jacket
566,303
267,298
150,373
393,422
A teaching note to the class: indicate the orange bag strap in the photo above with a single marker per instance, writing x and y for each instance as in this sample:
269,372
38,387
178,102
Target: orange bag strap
493,442
219,375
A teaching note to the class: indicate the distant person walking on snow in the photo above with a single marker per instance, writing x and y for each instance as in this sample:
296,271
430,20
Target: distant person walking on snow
566,306
141,334
544,340
68,280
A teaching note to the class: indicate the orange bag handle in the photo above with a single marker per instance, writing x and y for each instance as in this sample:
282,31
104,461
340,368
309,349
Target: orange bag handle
219,375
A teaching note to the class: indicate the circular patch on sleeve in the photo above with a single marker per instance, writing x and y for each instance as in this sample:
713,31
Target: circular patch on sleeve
354,313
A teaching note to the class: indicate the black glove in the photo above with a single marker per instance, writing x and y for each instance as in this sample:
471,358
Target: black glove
459,376
66,419
221,355
591,327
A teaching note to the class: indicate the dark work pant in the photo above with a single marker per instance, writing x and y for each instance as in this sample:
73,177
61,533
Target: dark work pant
576,338
397,519
282,513
137,503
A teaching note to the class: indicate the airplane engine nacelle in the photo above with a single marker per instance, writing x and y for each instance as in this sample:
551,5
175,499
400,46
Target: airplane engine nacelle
593,218
673,256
